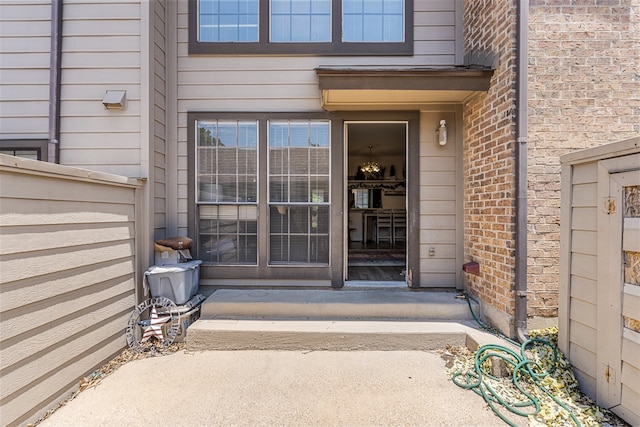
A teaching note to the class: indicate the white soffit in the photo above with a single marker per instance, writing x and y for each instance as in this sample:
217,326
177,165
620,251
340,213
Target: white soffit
354,99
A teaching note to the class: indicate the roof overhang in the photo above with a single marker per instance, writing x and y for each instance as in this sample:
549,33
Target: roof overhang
368,88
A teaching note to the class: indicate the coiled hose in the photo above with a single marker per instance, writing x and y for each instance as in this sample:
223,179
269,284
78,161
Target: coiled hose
524,373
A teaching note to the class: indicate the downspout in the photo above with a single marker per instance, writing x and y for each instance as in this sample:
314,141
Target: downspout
55,71
521,175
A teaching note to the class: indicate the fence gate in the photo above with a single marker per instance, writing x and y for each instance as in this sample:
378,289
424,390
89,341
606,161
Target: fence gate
618,356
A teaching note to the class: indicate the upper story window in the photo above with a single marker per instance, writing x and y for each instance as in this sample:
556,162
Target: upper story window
373,21
300,21
222,21
304,27
35,149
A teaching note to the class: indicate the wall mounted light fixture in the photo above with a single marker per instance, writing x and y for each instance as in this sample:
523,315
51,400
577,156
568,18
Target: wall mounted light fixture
115,100
442,132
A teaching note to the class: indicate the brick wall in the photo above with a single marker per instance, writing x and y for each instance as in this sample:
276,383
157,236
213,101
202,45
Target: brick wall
584,91
489,162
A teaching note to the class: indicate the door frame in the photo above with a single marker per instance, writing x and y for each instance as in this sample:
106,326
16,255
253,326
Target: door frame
412,185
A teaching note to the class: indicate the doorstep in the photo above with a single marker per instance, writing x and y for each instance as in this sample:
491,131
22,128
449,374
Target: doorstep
288,319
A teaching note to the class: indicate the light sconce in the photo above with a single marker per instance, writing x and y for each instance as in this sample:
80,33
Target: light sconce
115,100
442,132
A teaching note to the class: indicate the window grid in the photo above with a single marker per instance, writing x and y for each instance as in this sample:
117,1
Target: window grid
226,159
373,21
290,243
300,21
227,162
279,27
228,21
228,234
299,216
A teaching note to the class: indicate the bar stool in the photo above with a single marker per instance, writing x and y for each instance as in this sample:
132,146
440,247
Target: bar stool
383,226
399,226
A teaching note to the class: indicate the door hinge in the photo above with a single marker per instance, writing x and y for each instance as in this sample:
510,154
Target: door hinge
609,375
609,205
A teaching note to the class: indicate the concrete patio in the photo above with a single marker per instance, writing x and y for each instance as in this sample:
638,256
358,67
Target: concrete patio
277,357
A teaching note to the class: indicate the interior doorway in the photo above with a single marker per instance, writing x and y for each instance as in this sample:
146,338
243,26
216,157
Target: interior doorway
376,201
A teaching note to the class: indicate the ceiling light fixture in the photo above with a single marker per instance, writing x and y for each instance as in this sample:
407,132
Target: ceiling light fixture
370,166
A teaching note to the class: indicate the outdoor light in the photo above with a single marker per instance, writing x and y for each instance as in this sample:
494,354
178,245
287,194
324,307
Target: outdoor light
370,166
115,100
442,133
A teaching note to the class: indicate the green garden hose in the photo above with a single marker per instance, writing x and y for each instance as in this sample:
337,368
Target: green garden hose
526,376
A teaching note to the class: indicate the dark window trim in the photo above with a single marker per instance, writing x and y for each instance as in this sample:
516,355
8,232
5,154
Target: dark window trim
40,145
263,270
264,47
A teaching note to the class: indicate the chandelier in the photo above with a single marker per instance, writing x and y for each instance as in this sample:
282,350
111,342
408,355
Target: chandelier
370,166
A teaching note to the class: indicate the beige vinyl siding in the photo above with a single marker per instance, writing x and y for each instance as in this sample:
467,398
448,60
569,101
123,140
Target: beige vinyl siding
289,83
630,396
101,50
159,114
583,265
439,204
67,279
25,43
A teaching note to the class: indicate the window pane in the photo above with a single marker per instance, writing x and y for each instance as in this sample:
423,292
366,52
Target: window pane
228,20
207,160
299,247
299,134
226,188
300,29
300,21
351,27
299,189
393,28
372,7
247,189
318,160
319,189
373,21
394,7
247,161
278,189
299,160
279,161
208,189
318,135
227,160
278,134
372,28
318,27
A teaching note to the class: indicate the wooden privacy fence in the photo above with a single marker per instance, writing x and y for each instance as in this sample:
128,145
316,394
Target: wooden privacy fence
599,310
68,279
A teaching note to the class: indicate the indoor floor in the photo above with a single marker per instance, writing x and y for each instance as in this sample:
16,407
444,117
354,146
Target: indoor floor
373,261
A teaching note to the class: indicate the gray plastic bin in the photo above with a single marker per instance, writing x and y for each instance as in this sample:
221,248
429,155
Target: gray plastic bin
178,282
